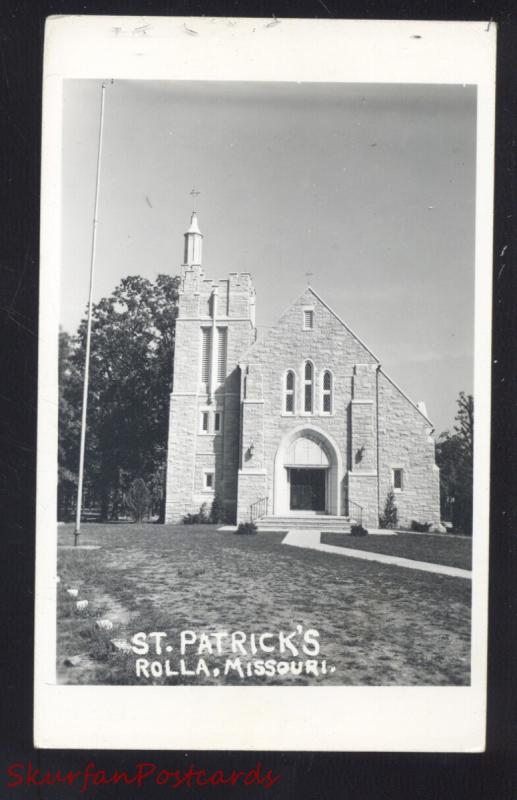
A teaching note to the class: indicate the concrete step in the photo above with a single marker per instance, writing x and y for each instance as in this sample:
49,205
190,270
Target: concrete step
316,522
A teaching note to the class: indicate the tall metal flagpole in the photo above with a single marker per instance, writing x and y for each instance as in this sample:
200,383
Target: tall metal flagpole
89,326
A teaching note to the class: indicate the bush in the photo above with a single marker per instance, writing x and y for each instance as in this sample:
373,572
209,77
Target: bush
246,528
201,518
191,519
217,511
137,500
390,517
420,527
358,530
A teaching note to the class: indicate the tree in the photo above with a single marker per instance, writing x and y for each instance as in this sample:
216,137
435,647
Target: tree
390,516
137,500
454,456
69,430
132,347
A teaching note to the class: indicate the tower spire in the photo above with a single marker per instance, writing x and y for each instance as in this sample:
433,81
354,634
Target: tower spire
193,237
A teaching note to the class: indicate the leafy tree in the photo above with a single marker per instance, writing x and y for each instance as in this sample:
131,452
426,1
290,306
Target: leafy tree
454,456
69,431
131,362
138,500
390,516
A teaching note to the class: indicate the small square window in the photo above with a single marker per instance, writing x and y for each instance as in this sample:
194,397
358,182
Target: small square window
397,480
217,422
308,319
204,421
209,480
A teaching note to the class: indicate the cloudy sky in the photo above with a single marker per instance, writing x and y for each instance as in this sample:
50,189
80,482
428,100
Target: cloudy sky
368,187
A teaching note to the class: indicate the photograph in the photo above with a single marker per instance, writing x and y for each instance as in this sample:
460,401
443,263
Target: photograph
264,384
263,498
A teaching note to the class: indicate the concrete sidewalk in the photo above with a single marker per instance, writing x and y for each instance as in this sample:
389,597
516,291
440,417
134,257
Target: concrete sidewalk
311,541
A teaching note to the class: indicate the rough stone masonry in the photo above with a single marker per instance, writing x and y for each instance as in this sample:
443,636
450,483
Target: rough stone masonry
300,422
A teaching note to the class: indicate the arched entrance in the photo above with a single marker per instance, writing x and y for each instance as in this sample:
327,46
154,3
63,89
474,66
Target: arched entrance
308,474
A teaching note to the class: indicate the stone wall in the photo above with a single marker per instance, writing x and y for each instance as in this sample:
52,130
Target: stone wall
405,442
329,345
373,426
193,452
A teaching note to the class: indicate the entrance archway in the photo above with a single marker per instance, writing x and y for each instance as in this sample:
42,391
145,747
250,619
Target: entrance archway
308,472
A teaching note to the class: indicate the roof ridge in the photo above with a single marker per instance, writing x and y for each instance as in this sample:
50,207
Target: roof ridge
343,323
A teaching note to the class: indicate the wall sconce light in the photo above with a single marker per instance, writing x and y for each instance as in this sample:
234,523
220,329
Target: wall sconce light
359,455
251,449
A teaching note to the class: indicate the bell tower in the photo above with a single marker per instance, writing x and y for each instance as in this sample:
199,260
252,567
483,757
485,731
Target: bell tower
214,326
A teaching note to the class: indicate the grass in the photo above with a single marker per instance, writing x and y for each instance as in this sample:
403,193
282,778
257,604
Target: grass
378,624
450,551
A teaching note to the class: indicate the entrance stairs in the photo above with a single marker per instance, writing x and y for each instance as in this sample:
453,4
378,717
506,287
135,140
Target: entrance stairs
316,522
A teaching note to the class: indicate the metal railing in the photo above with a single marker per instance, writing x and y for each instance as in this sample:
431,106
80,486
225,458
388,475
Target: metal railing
361,509
259,508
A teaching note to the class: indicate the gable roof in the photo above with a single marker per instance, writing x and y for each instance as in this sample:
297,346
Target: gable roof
312,291
322,301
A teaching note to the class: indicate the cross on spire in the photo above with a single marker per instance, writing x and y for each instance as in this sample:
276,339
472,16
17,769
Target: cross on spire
309,275
195,194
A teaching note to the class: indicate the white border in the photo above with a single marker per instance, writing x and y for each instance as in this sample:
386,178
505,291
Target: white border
271,718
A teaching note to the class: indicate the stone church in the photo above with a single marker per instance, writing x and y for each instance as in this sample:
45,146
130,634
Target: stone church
302,421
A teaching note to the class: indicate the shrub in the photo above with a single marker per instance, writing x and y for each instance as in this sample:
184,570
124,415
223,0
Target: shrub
420,527
246,528
390,517
358,530
201,518
137,500
217,510
191,519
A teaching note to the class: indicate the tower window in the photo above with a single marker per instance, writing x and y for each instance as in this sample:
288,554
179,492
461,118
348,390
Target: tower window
222,348
308,387
217,422
308,319
327,392
398,480
206,336
204,421
289,392
209,481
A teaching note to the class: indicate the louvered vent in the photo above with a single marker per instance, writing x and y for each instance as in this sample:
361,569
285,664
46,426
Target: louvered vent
222,347
205,354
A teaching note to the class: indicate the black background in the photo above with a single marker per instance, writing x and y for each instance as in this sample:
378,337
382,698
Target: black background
417,776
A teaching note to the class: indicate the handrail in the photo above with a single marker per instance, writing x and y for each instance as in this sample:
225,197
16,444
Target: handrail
258,509
361,509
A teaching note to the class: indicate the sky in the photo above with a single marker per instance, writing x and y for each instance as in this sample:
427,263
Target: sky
369,187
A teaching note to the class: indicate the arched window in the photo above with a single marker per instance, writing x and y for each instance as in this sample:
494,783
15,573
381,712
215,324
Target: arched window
327,392
308,387
289,392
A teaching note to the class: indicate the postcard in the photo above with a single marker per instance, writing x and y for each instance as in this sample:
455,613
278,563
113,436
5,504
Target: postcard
264,392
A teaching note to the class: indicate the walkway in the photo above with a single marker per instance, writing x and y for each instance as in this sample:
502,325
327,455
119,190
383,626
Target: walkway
311,541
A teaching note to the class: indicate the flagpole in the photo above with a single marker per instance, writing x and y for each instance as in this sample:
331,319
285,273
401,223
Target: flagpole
89,326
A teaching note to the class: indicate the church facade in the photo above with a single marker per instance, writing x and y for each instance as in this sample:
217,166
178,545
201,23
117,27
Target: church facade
302,421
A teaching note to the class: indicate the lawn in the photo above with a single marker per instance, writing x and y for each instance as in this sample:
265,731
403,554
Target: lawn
450,551
378,624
